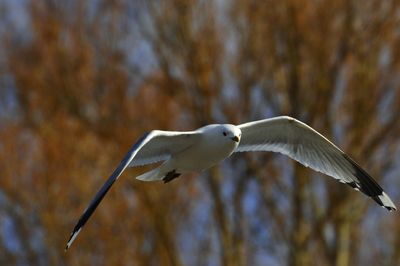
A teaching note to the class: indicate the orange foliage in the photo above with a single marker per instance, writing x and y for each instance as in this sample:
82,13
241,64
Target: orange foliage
82,98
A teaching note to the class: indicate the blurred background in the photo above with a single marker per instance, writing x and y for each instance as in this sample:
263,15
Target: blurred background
81,81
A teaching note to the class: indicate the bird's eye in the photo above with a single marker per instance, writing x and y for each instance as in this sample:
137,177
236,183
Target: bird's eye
224,133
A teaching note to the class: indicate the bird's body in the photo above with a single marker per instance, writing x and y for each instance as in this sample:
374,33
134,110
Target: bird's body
206,148
189,151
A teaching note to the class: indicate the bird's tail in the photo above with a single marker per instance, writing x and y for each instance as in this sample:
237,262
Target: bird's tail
153,175
165,172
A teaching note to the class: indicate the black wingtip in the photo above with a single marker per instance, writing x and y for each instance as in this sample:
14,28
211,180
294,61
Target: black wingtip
385,202
72,238
390,208
366,184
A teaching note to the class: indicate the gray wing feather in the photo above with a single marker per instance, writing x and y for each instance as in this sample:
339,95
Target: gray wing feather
163,146
153,146
302,143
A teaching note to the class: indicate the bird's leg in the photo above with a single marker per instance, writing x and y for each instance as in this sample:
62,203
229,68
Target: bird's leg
170,176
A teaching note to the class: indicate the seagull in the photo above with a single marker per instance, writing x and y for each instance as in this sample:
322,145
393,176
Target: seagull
183,152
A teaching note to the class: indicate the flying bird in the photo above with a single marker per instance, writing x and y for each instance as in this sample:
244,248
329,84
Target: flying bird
189,151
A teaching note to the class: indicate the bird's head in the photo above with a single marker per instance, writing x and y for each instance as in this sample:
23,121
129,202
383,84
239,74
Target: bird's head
229,132
223,133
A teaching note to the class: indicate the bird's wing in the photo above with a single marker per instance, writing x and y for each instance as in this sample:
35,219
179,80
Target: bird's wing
300,142
163,144
149,148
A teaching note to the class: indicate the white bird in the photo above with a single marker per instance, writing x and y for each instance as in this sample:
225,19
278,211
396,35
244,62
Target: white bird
183,152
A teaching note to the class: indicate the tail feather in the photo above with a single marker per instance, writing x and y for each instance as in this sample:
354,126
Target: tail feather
153,175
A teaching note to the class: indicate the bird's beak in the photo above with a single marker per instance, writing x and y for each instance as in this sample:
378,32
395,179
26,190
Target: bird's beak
235,139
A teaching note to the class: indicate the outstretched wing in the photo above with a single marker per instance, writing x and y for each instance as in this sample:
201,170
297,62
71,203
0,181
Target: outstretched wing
151,147
300,142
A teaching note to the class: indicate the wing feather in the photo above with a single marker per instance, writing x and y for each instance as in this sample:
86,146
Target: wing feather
163,145
302,143
153,146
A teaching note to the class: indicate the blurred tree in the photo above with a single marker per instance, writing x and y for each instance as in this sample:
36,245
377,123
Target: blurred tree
83,79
